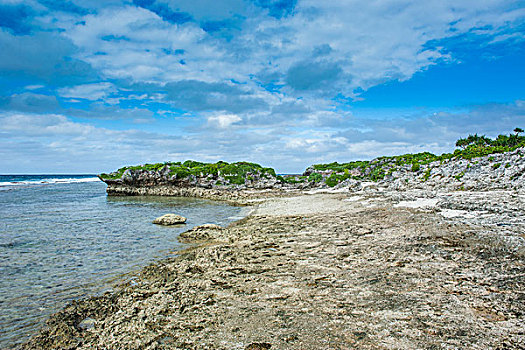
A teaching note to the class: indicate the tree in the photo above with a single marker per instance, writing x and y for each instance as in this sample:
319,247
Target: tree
518,131
462,143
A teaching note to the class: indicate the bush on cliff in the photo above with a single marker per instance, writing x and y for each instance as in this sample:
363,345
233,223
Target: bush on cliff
232,173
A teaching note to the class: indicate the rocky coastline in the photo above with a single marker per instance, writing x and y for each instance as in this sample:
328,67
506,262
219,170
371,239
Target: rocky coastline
370,269
424,257
498,171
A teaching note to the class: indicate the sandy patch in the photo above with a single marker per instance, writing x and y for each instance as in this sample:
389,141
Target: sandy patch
304,205
418,203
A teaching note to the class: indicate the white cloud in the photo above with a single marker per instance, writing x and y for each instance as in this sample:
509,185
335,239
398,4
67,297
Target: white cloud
35,142
223,121
34,87
263,92
323,49
91,92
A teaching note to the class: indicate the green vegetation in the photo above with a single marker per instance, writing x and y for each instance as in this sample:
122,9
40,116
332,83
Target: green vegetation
334,173
334,179
426,175
234,173
341,167
315,177
460,175
295,179
473,146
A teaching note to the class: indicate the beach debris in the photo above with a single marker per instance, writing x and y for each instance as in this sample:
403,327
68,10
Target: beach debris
170,219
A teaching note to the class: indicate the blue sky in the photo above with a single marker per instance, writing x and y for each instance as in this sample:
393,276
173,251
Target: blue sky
89,86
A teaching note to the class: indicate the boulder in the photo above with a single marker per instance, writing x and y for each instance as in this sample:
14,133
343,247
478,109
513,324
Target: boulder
170,219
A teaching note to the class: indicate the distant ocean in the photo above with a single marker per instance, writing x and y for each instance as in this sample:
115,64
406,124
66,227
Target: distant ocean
62,238
12,181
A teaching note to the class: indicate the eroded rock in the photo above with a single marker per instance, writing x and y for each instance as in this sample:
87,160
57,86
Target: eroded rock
200,233
170,219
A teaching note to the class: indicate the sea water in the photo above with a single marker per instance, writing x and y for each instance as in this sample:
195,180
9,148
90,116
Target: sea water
62,238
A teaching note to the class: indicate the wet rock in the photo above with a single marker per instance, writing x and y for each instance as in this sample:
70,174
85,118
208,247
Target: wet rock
170,219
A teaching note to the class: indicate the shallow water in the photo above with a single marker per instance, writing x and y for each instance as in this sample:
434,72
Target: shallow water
61,241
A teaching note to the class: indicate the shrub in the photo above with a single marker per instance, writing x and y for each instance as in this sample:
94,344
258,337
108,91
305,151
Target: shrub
426,176
332,180
459,176
234,173
315,177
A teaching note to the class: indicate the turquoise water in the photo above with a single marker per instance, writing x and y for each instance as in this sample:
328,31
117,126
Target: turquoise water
62,240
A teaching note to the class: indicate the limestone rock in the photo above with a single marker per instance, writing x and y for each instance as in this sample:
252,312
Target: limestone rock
200,233
170,219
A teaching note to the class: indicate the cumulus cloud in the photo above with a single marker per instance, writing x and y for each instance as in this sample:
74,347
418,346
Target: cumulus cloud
29,102
45,139
223,121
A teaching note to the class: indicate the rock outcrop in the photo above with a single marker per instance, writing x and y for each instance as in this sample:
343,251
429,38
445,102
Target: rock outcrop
498,171
323,272
222,181
238,181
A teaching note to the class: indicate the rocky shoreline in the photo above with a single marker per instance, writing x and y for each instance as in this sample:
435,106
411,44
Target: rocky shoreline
364,269
238,182
406,252
238,197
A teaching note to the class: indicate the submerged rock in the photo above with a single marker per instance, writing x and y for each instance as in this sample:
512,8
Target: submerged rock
170,219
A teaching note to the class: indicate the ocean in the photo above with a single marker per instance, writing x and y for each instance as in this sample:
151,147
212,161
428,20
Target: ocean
62,238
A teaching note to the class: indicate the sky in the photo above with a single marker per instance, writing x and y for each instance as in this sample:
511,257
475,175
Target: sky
88,86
